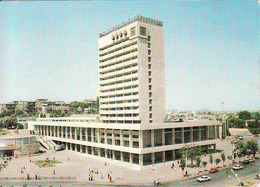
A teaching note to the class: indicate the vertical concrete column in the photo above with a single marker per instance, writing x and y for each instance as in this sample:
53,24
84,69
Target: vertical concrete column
182,135
173,154
92,149
152,137
207,132
105,135
80,133
121,138
191,134
105,153
141,162
113,154
153,158
92,134
173,136
66,132
140,139
98,135
130,140
70,132
113,138
216,132
51,128
131,158
99,152
122,156
62,131
163,156
81,148
199,133
163,137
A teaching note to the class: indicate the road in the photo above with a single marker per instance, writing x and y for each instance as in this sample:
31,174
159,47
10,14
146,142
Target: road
221,178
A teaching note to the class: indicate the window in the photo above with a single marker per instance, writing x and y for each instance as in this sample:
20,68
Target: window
149,38
149,73
149,66
149,52
150,108
150,121
150,80
149,44
150,101
132,31
150,87
150,115
150,94
143,31
149,59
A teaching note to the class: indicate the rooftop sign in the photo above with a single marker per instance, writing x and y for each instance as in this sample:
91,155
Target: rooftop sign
135,18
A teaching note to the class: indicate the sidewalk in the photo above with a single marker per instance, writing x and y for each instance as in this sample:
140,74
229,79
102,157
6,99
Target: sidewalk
79,166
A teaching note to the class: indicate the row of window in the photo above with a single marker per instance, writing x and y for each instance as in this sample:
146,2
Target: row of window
115,81
118,55
120,75
120,109
118,49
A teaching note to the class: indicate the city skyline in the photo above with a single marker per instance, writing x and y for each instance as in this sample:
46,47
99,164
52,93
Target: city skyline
211,51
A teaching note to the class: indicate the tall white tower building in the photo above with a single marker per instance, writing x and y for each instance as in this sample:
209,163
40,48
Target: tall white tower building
131,73
130,128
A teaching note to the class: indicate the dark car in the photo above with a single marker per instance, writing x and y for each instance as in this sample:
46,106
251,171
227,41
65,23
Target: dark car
246,162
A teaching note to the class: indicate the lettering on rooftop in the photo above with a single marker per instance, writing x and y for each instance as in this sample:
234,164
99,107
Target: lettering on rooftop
135,18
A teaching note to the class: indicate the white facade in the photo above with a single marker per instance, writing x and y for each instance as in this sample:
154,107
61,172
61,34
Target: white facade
130,127
131,74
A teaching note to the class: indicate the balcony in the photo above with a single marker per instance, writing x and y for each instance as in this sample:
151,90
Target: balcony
119,105
117,92
131,76
118,59
121,85
128,70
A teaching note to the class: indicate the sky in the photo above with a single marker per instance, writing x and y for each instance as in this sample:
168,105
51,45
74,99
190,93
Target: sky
49,49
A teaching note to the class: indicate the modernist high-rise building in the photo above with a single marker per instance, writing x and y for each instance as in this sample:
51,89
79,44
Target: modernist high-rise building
130,127
131,73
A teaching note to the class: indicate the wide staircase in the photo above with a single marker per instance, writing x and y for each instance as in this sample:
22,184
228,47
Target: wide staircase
47,143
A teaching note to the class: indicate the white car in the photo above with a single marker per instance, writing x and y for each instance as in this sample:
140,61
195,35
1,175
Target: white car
203,178
251,160
237,167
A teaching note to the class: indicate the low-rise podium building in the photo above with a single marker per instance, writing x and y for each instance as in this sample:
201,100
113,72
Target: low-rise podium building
130,127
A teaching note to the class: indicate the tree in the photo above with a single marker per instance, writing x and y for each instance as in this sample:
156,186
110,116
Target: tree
245,115
10,123
223,157
192,152
19,126
229,157
211,159
204,163
198,161
241,147
183,163
217,161
252,146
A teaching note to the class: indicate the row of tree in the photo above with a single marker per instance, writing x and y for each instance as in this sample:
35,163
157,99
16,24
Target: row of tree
194,153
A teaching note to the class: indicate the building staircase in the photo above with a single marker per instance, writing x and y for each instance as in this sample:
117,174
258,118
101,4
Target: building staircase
47,143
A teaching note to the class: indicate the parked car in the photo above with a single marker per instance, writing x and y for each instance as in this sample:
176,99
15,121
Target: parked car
246,161
203,178
237,167
251,160
213,170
